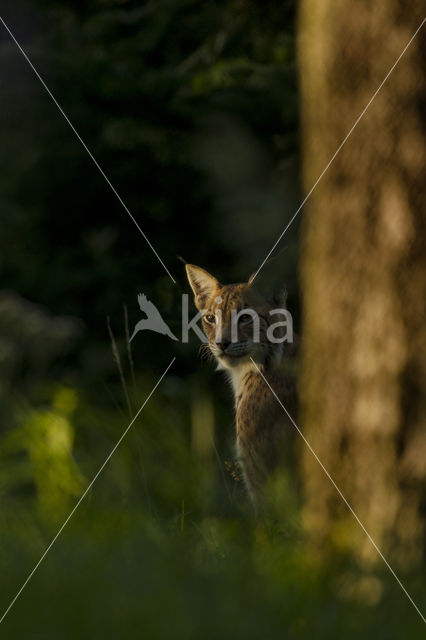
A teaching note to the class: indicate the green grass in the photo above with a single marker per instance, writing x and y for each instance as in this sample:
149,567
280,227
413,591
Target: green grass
165,544
119,572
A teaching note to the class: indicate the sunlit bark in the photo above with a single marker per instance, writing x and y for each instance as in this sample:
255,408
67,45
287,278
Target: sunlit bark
364,274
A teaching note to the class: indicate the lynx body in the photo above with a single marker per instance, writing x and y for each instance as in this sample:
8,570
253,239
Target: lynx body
262,427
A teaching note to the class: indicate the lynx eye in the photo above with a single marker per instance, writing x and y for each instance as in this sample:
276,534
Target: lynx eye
210,318
244,318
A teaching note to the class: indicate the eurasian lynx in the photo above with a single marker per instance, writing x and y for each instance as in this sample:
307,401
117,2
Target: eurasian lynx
261,424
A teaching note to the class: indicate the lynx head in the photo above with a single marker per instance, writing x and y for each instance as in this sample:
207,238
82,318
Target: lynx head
237,319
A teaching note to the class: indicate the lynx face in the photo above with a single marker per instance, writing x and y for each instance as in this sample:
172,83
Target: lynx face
235,319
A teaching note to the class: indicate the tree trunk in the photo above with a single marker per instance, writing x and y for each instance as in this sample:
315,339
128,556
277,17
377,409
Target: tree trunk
363,382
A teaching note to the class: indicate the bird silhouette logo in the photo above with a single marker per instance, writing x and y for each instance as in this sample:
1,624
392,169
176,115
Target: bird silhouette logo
153,320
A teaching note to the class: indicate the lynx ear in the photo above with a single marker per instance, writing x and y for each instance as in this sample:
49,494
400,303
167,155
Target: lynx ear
202,284
269,286
280,297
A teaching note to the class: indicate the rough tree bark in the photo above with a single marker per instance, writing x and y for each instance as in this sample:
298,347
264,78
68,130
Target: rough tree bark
364,275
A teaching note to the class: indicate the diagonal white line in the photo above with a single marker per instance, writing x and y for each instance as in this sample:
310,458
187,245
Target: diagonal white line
107,180
80,500
339,148
342,496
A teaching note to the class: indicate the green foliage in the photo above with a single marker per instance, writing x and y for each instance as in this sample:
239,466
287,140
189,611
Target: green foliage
45,438
165,542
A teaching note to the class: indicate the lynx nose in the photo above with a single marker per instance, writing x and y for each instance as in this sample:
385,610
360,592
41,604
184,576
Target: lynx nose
223,344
